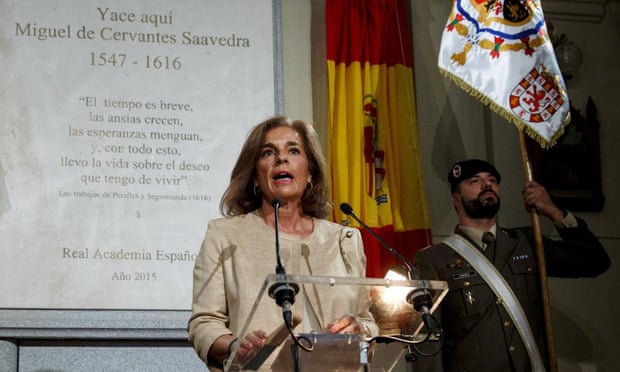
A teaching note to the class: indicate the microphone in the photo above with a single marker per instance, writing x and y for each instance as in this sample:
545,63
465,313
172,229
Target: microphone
275,203
348,210
282,291
420,298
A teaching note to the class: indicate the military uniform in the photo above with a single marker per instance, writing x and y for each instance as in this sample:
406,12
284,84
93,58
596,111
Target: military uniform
478,332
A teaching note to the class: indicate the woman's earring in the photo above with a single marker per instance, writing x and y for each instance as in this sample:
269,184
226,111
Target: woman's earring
256,190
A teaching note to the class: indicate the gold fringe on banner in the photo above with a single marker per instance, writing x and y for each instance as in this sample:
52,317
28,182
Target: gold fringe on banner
511,118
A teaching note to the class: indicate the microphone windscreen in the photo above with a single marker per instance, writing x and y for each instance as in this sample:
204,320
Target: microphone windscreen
275,202
346,208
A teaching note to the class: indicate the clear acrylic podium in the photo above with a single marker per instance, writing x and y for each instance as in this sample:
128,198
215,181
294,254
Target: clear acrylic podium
386,299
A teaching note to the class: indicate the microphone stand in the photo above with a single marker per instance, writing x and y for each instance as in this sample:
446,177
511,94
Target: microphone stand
283,291
419,298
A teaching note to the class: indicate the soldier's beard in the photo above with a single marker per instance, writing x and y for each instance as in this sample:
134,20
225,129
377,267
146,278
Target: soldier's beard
482,207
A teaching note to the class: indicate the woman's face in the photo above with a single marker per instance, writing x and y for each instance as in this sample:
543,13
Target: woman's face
282,169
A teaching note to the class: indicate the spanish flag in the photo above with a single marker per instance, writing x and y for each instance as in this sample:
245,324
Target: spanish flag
374,154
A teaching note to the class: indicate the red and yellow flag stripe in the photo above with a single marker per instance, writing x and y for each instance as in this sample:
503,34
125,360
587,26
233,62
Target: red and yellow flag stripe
374,154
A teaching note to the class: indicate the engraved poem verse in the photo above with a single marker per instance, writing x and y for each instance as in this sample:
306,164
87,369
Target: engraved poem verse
121,123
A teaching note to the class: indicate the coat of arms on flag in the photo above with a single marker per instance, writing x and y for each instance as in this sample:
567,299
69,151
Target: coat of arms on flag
500,51
536,98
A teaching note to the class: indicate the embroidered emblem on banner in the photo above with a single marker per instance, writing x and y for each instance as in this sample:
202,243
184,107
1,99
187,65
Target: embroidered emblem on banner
497,26
536,98
500,52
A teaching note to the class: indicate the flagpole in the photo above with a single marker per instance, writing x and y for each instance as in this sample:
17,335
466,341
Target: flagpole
540,257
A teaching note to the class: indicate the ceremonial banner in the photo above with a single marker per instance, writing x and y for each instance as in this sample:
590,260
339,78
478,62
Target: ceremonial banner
500,52
373,141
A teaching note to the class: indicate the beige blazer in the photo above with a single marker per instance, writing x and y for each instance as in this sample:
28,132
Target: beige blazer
237,254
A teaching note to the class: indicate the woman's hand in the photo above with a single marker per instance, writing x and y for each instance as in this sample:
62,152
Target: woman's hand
346,324
251,344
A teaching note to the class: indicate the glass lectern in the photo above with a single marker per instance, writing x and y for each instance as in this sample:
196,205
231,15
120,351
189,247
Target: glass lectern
388,301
